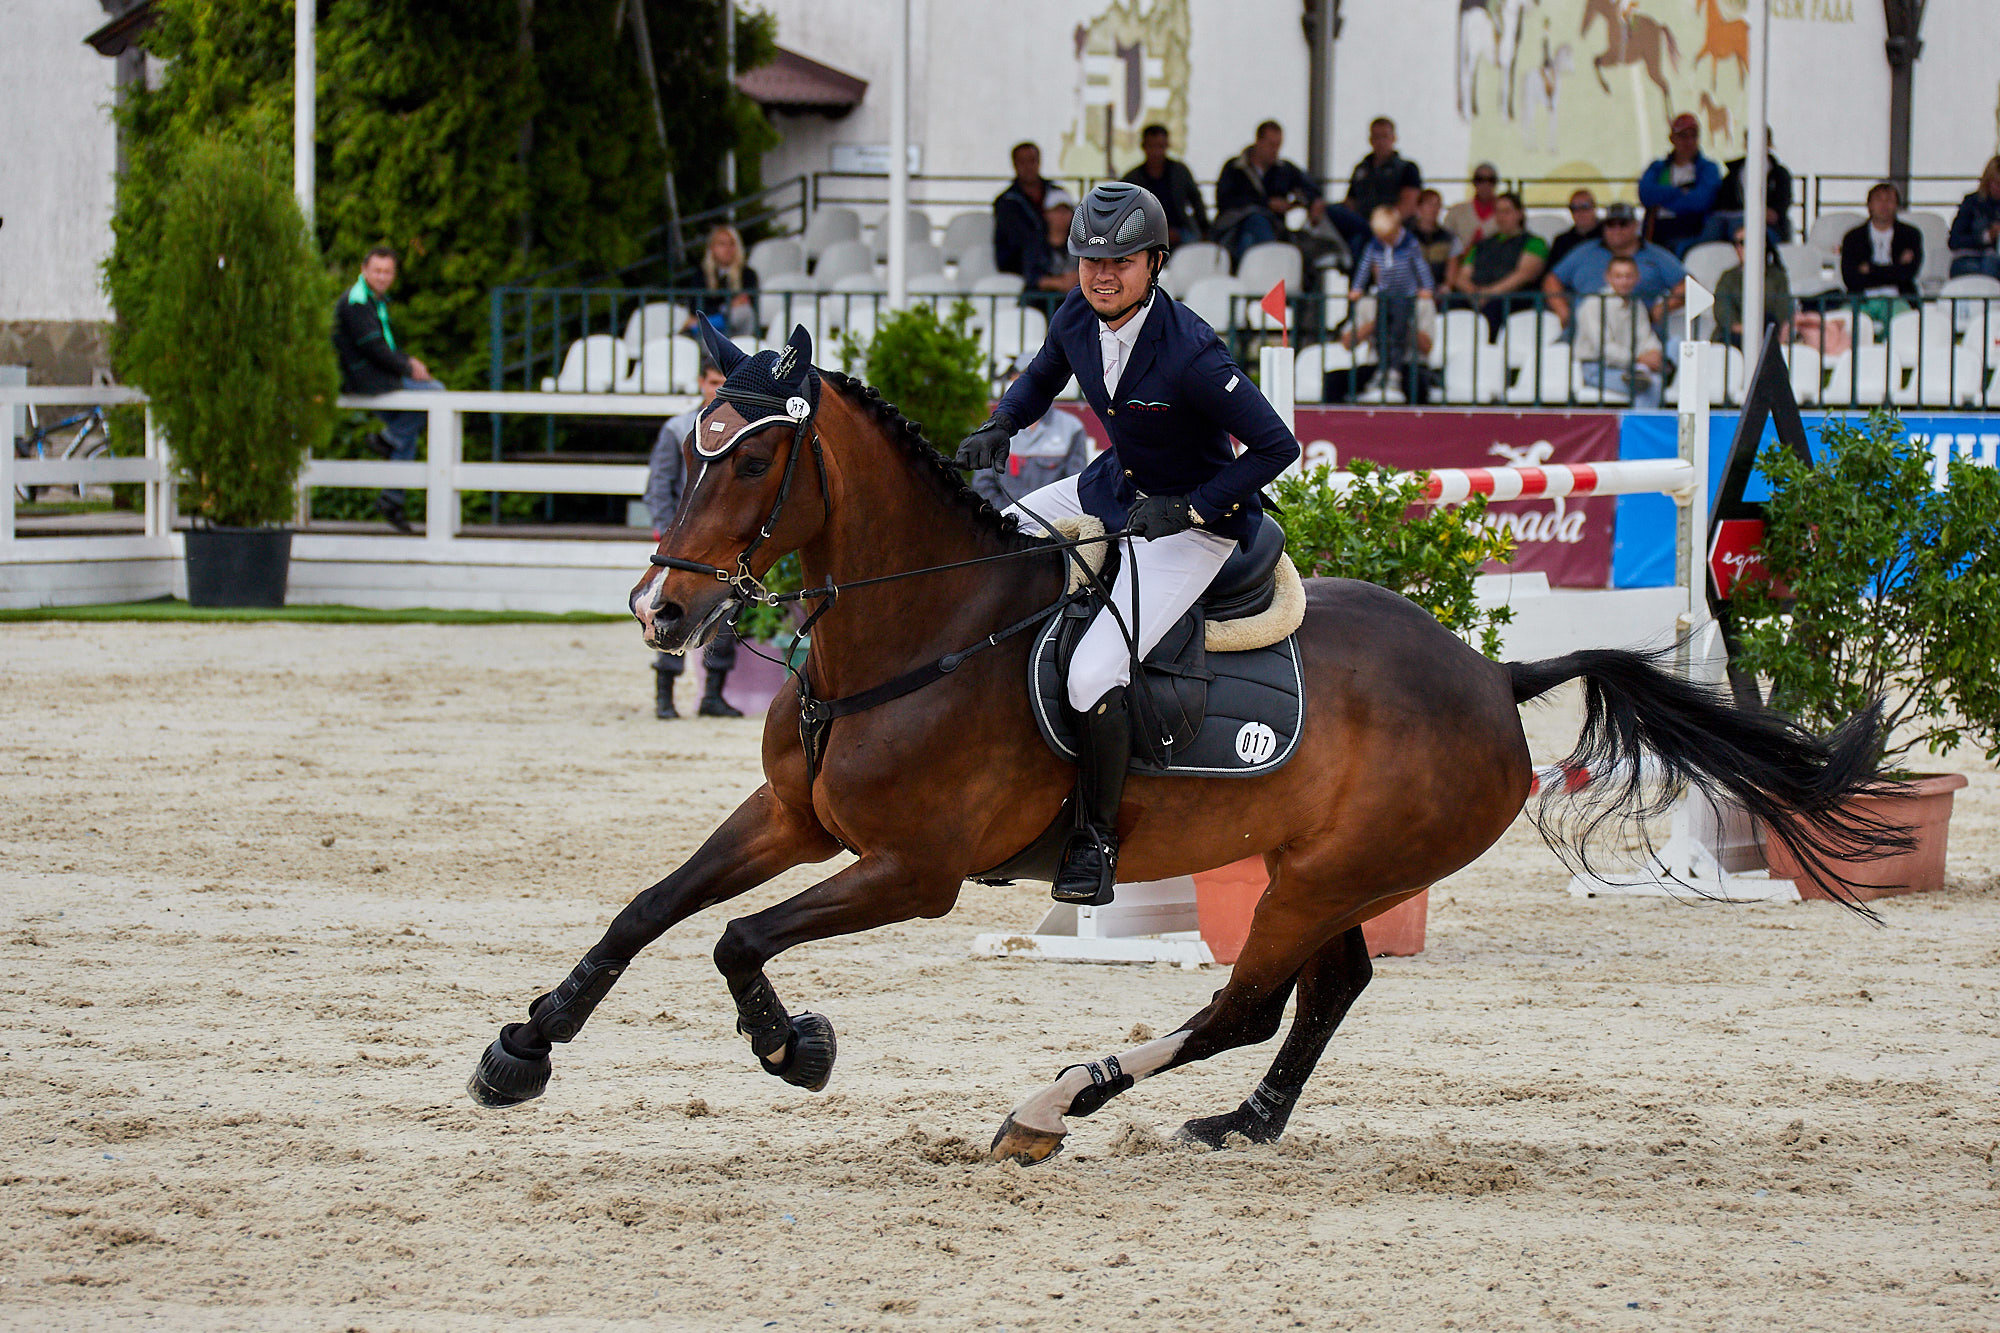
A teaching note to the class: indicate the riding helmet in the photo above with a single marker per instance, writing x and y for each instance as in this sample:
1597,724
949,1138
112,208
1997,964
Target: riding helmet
1116,219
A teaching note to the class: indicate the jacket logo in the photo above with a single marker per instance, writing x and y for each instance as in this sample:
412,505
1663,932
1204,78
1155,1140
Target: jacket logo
1133,404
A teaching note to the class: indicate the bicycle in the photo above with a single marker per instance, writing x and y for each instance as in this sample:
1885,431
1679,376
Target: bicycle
92,440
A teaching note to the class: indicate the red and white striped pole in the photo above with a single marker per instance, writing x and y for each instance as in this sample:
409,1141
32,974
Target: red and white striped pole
1641,476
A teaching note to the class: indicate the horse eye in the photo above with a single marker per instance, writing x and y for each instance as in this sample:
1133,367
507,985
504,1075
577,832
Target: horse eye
753,467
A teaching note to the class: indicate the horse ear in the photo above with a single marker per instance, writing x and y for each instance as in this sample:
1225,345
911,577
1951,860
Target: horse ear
801,343
721,350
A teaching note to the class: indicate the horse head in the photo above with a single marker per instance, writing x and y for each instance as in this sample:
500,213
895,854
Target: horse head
740,464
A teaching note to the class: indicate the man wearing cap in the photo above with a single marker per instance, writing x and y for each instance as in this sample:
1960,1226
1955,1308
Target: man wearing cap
1040,454
1679,190
1660,274
1170,398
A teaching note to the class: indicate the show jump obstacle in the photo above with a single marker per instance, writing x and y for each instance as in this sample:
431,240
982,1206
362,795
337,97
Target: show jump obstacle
1708,852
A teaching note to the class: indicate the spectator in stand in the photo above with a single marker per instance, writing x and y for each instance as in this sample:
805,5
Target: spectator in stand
371,363
729,296
1382,177
665,473
1440,247
1584,225
1778,308
1729,211
1256,189
1019,227
1050,271
1170,182
1678,191
1616,347
1040,454
1402,305
1501,269
1975,232
1661,277
1880,259
1472,219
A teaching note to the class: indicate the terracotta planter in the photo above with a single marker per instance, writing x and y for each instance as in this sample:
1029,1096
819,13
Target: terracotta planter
1226,898
1927,812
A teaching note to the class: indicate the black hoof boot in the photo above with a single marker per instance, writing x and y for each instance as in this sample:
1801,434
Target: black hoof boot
809,1055
1260,1119
507,1078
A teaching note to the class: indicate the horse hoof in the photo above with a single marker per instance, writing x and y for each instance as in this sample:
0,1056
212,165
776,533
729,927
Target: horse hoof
1017,1143
506,1079
809,1055
1212,1131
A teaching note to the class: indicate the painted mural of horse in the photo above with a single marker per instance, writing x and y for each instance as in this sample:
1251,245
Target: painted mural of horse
1634,39
1726,39
1485,35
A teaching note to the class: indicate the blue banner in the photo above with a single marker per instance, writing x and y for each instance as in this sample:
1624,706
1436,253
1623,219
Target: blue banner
1642,545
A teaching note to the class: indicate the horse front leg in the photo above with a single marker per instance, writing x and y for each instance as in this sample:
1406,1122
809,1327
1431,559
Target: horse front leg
877,890
763,838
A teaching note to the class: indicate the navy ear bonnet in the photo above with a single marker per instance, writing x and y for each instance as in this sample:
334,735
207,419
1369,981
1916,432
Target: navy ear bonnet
776,386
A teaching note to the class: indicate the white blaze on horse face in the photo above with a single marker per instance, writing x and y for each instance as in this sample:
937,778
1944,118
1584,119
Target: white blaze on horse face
1044,1110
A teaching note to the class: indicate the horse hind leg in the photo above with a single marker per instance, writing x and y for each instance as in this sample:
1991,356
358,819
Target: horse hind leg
1328,986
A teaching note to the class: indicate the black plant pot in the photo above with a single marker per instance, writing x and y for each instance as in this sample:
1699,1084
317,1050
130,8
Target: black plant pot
238,566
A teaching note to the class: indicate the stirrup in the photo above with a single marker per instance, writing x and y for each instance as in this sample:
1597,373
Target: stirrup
1087,885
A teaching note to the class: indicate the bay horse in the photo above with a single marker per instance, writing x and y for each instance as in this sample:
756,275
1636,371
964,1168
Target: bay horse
1633,40
1411,763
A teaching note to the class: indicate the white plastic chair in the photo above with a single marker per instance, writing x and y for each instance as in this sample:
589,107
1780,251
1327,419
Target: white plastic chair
593,364
776,255
665,365
1191,263
1805,270
1807,371
654,320
922,258
843,259
920,231
1271,262
997,284
1474,369
1707,262
779,307
1591,395
1541,372
1937,250
1547,223
1920,342
829,225
871,281
1827,229
966,234
1311,367
1210,298
936,284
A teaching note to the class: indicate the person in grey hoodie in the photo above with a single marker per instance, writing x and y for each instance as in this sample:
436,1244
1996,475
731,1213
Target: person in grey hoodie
1616,347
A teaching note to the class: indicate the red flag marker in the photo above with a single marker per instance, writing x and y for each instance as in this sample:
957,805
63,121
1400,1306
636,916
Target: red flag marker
1274,306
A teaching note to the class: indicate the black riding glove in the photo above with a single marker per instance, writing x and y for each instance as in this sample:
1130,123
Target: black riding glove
987,446
1159,516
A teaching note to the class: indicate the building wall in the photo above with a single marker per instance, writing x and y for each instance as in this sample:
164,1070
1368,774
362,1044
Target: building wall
61,155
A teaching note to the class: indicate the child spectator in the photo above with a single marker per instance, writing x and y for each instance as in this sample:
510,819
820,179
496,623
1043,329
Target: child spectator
1393,269
1616,347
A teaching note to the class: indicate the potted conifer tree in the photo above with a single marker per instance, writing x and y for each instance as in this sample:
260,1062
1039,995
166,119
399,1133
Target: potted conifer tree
1887,587
224,322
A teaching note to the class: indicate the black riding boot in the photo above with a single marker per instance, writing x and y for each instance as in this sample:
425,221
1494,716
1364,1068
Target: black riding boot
1090,859
712,702
663,690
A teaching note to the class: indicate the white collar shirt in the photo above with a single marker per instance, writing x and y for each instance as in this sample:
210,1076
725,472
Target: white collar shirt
1115,345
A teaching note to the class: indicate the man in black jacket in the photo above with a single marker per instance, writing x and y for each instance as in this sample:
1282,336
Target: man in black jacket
1882,256
371,363
1173,185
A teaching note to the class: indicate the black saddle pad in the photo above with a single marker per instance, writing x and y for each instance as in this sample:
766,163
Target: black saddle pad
1230,715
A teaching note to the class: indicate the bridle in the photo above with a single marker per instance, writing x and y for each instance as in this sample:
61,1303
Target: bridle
744,586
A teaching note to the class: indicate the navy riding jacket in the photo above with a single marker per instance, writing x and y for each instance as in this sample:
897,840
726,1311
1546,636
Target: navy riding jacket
1179,400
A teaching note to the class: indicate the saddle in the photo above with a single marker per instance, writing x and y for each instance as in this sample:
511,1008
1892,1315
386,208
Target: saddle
1223,693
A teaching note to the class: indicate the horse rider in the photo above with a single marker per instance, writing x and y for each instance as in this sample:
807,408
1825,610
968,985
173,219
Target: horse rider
1170,398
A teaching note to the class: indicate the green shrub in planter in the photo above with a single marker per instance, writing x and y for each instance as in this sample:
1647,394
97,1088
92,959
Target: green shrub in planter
929,368
1895,587
1368,533
230,336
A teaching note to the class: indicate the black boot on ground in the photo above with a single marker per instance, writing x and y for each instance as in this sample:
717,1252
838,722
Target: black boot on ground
712,702
1090,858
392,513
663,694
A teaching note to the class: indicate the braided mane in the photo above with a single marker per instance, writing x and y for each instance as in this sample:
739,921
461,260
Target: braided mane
951,484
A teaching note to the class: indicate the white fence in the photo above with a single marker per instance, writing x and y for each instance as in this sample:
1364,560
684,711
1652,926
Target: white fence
445,566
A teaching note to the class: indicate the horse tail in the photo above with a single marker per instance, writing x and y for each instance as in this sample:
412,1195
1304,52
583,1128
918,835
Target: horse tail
1796,784
1673,48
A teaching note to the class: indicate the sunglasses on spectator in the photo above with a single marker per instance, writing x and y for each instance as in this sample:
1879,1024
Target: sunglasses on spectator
1685,132
1621,222
1583,208
1485,180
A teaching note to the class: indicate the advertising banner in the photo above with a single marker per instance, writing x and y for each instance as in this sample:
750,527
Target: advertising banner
1568,540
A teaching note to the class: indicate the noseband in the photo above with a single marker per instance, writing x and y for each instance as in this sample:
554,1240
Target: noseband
744,586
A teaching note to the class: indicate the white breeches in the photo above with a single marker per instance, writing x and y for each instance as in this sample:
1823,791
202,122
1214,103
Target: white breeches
1172,573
